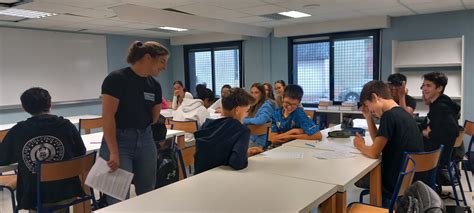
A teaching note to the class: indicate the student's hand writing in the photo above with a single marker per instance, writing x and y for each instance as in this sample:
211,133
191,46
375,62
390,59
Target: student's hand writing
114,162
254,151
358,141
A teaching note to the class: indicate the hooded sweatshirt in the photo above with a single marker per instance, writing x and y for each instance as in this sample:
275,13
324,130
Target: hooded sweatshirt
191,110
42,138
443,122
221,142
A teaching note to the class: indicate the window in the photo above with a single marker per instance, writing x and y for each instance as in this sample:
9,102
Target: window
213,65
334,66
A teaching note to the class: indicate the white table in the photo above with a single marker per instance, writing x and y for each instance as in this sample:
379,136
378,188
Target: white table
8,168
93,141
168,113
224,190
74,120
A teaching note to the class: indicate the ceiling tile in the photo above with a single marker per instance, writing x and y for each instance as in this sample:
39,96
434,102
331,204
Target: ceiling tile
95,13
251,19
235,4
262,10
271,23
138,26
434,7
44,22
107,22
85,25
210,11
160,4
389,11
69,18
85,3
48,7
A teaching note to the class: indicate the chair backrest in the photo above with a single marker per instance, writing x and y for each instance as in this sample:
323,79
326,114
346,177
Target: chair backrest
3,133
259,129
469,128
427,161
187,126
310,113
405,178
90,123
60,170
459,139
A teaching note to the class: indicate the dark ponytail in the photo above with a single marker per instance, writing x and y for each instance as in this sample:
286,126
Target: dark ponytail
138,49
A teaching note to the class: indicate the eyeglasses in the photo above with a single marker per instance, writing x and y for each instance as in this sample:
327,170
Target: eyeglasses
286,104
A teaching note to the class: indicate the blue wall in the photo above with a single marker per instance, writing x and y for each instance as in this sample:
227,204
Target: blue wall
435,26
117,47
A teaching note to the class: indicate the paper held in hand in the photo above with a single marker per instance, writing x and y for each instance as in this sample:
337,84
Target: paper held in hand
115,184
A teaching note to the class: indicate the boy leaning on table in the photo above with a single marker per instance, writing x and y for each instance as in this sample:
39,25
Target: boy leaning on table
396,134
42,137
225,141
291,122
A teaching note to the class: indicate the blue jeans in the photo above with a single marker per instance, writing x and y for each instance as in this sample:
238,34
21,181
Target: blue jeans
138,154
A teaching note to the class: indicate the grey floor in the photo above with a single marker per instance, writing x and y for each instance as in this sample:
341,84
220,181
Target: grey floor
352,196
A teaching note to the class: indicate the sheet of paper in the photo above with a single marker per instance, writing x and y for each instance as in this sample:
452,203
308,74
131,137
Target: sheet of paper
323,154
283,155
360,123
335,146
115,184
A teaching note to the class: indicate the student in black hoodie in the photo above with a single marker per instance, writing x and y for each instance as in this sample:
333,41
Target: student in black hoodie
441,126
42,137
225,141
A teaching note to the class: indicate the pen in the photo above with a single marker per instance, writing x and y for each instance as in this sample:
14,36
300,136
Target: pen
308,144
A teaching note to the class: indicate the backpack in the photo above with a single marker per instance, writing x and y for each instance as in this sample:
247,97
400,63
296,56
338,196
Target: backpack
167,168
420,198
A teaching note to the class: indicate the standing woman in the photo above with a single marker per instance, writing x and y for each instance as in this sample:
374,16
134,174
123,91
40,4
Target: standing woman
269,91
279,90
180,93
131,102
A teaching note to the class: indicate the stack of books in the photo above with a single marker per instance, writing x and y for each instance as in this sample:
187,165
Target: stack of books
324,105
348,106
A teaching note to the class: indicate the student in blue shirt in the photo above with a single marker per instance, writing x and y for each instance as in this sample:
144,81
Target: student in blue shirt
290,122
259,114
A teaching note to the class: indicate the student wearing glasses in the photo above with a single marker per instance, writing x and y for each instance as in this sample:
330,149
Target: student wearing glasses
290,122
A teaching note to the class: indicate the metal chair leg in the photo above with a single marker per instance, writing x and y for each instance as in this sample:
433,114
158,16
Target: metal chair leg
453,185
467,175
458,177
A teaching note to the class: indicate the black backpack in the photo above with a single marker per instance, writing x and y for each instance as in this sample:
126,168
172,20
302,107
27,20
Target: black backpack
167,168
420,198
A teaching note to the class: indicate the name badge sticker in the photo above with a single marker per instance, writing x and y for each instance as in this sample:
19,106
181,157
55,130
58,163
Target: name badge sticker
149,96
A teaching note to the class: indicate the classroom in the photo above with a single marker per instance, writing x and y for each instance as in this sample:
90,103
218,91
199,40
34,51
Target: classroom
236,105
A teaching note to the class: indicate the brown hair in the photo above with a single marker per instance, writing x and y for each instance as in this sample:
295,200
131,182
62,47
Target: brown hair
138,49
237,97
263,97
438,78
378,87
271,95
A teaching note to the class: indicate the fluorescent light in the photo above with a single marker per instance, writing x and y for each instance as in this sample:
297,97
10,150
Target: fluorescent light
174,29
294,14
25,13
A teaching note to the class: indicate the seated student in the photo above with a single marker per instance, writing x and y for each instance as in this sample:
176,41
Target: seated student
260,113
397,133
441,126
397,84
42,137
291,122
192,110
180,93
269,91
206,95
224,141
279,90
217,106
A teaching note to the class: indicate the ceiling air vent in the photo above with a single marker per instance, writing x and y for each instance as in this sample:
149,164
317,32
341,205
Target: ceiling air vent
275,16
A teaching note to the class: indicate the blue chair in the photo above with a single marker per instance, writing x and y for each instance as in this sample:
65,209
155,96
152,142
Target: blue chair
260,130
467,164
453,166
425,161
404,180
60,170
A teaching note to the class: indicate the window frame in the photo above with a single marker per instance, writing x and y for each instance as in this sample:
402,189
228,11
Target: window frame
212,47
332,37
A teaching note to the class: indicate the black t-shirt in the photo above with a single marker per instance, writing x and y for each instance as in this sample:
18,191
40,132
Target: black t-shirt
137,97
410,101
402,134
